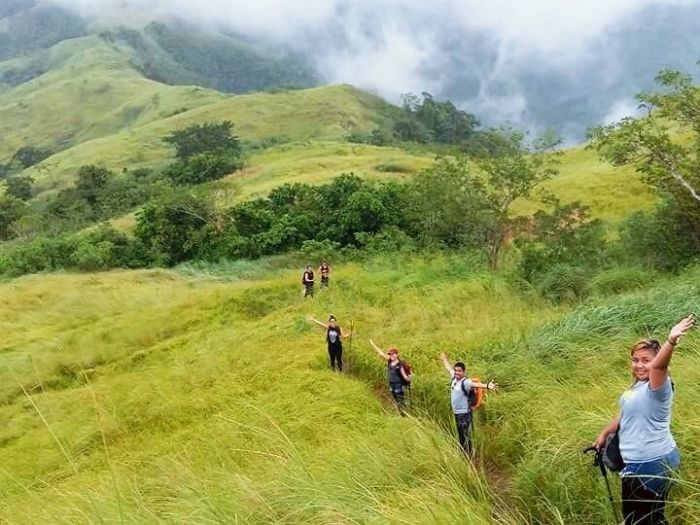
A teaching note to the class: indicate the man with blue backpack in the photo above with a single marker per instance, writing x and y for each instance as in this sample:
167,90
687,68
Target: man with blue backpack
465,397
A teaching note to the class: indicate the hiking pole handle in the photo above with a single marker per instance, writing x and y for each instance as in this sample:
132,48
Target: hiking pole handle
589,449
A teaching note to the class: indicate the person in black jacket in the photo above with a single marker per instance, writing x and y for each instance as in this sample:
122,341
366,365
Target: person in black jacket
307,281
397,376
334,338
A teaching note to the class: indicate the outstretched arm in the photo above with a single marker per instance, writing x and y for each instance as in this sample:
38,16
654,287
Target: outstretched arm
658,372
443,359
488,386
312,319
378,350
345,334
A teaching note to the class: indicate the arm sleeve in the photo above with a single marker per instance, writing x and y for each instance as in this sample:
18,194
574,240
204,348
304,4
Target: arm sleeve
663,392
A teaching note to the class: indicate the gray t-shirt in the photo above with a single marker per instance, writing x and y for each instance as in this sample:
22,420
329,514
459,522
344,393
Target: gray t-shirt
460,403
645,425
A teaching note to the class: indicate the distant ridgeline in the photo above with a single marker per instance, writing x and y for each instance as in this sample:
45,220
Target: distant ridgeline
175,53
28,26
179,54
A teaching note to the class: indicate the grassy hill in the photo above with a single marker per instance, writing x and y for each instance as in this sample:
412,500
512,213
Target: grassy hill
250,437
320,113
163,396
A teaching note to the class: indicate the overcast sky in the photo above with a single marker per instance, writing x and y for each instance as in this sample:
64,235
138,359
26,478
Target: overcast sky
384,45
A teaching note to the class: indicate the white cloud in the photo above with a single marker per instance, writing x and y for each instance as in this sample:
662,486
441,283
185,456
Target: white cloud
395,46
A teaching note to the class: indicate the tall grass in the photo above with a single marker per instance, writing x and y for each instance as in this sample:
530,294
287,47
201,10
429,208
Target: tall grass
207,402
179,397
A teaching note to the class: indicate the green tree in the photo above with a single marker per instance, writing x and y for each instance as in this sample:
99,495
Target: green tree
28,156
664,146
91,182
11,209
462,202
19,187
204,138
512,175
565,236
204,167
178,227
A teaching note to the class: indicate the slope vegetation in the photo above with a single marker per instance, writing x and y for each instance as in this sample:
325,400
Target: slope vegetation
215,395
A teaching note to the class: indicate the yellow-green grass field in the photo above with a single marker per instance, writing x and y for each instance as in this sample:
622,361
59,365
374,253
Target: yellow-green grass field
165,396
612,193
92,93
322,113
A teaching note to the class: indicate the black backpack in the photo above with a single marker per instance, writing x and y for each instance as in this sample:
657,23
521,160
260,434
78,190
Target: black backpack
612,458
473,397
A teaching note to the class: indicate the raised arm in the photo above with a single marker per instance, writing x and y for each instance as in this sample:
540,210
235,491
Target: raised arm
443,359
378,350
610,429
312,319
658,371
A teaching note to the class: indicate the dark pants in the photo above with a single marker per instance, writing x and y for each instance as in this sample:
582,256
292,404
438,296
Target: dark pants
324,281
309,290
645,488
397,392
641,506
336,355
464,431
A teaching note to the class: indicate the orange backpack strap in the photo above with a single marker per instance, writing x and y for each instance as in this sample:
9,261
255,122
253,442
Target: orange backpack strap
479,393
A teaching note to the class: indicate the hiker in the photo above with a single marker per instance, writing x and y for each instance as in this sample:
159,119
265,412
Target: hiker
462,398
646,444
307,280
397,374
325,271
334,338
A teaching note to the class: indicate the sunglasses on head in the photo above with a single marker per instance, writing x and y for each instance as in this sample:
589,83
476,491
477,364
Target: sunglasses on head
653,344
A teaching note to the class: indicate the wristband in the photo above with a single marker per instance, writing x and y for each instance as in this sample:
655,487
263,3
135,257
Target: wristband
671,343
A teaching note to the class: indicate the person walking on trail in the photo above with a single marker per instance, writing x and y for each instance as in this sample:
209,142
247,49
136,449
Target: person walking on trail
461,407
334,338
647,447
398,377
307,280
325,272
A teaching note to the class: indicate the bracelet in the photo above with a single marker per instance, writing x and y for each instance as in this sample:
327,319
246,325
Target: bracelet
672,344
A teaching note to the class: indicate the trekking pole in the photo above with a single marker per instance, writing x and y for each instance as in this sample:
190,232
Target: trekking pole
352,336
598,462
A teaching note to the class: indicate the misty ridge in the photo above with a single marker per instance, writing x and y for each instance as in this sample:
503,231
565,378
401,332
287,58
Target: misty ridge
536,64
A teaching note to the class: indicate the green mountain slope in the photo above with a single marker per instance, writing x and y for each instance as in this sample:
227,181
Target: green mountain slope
89,90
320,113
177,53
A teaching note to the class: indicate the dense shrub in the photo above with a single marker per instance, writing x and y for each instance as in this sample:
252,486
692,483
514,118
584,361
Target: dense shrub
621,279
204,167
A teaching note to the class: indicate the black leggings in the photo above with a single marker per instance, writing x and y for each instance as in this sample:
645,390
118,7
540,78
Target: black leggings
336,355
464,431
641,506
